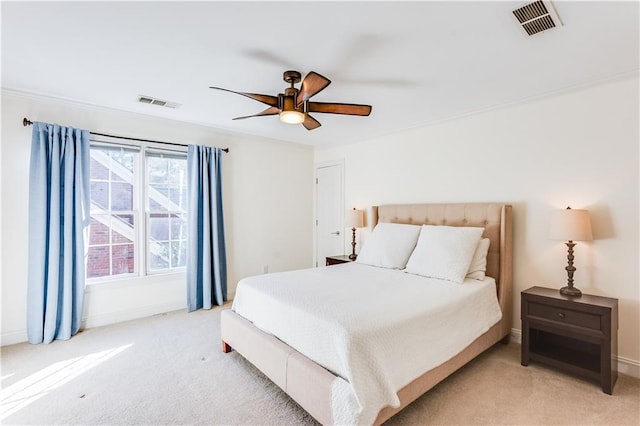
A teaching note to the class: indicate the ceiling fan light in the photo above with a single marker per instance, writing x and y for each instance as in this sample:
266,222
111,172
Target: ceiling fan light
291,117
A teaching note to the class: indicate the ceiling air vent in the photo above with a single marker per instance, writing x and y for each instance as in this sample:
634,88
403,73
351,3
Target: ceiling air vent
154,101
537,17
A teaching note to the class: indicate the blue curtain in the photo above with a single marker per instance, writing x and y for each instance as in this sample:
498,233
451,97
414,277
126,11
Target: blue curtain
206,253
58,216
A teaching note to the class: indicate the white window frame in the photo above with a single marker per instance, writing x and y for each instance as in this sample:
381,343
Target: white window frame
147,215
140,208
135,212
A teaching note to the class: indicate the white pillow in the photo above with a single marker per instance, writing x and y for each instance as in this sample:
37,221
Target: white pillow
444,252
479,261
389,245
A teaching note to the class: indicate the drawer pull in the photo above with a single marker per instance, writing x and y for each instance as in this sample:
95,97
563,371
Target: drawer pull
561,315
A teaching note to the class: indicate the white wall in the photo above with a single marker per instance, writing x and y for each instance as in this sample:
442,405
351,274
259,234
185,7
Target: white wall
577,149
268,207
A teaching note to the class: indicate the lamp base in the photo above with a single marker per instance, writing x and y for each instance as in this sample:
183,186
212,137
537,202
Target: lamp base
353,254
570,291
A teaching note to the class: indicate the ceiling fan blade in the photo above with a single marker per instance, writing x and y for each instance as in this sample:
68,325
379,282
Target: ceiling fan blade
265,99
331,108
312,84
268,111
310,123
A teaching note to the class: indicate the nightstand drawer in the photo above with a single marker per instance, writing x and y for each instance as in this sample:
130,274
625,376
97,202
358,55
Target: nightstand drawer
565,316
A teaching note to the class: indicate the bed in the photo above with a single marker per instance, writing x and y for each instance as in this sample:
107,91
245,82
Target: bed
327,374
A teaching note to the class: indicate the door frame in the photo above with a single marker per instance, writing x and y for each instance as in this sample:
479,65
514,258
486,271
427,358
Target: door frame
339,163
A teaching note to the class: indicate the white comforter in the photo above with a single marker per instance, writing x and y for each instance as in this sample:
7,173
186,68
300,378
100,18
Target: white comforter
378,329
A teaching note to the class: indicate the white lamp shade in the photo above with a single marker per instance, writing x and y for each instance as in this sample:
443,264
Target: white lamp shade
570,225
355,218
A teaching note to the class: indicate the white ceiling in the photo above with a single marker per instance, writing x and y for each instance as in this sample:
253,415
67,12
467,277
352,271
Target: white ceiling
416,63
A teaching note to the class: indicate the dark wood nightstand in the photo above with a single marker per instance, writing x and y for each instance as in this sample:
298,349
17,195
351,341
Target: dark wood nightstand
577,335
334,260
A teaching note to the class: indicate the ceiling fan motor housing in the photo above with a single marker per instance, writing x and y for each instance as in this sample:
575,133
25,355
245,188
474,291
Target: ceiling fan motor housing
287,101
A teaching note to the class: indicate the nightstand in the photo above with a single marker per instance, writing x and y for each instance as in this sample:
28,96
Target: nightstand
577,335
334,260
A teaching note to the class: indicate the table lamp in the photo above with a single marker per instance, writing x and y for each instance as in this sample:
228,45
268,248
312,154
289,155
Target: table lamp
355,219
570,225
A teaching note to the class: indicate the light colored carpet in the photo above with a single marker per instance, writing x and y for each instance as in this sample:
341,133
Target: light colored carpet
169,369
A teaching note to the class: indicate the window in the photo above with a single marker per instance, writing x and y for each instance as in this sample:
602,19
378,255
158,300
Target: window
166,211
123,181
113,212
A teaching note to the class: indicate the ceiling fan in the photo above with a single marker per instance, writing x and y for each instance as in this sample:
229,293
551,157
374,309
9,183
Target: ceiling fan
293,106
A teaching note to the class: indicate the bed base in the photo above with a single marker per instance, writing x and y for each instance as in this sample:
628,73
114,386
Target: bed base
303,380
310,385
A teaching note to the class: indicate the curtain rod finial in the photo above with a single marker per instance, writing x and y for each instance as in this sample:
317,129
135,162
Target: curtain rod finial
26,122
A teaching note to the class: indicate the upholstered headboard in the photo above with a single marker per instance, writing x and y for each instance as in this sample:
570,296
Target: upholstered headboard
495,218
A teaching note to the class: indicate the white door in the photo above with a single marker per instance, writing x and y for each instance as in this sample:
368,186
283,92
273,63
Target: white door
329,212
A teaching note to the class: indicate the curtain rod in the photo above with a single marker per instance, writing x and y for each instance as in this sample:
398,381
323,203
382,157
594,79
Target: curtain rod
26,122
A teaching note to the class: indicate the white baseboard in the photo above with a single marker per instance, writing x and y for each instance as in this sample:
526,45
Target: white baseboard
19,336
13,337
626,366
127,315
516,336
